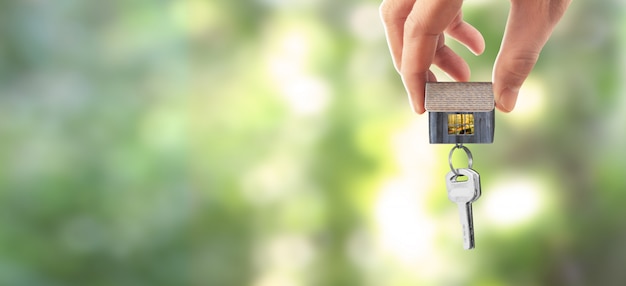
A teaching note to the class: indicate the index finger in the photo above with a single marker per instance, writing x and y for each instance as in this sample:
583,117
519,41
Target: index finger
423,26
393,14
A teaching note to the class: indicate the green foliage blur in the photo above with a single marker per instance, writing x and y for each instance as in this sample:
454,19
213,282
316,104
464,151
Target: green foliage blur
270,143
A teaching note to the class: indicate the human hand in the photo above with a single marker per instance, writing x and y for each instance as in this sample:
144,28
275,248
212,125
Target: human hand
415,34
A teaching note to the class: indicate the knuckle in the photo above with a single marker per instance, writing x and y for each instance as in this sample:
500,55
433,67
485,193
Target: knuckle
520,65
525,61
395,11
387,11
415,26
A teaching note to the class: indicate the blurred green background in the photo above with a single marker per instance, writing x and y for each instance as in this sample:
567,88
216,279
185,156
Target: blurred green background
270,143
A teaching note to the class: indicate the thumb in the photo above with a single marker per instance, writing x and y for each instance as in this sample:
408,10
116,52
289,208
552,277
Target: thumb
528,28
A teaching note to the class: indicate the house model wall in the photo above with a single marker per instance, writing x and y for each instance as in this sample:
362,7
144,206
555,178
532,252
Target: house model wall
460,112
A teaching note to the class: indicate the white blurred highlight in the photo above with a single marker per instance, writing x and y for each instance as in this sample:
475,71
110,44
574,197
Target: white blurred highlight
406,232
512,202
365,22
304,93
282,260
531,103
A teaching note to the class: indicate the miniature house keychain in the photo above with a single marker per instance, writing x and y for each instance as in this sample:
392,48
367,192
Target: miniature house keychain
461,113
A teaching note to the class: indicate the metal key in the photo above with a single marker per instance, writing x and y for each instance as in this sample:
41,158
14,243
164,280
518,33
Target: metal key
463,193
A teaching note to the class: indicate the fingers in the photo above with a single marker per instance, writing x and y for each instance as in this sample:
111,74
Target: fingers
422,36
394,14
450,62
414,31
466,34
528,28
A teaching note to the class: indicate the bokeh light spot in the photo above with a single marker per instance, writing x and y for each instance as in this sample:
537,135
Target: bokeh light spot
512,202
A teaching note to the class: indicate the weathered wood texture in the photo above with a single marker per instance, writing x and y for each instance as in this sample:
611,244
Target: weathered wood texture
484,126
459,97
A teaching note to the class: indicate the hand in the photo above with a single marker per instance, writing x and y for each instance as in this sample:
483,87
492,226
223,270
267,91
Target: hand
415,34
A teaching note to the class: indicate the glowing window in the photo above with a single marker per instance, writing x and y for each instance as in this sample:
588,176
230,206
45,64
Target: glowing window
461,124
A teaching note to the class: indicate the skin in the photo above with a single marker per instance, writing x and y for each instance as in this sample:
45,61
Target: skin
415,34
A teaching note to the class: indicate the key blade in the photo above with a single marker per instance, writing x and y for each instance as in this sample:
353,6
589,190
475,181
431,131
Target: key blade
467,224
464,191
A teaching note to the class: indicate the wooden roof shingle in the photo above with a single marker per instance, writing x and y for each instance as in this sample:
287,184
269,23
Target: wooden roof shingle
459,96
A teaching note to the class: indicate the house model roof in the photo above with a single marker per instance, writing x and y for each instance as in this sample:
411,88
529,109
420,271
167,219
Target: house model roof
459,97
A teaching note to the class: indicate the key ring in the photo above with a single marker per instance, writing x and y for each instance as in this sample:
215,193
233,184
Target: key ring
470,159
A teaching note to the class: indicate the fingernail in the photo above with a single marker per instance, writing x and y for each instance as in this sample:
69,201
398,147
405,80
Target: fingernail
507,99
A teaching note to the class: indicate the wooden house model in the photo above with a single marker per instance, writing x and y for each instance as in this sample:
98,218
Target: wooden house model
460,112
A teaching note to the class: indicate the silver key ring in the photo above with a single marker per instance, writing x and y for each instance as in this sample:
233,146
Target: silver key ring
470,159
